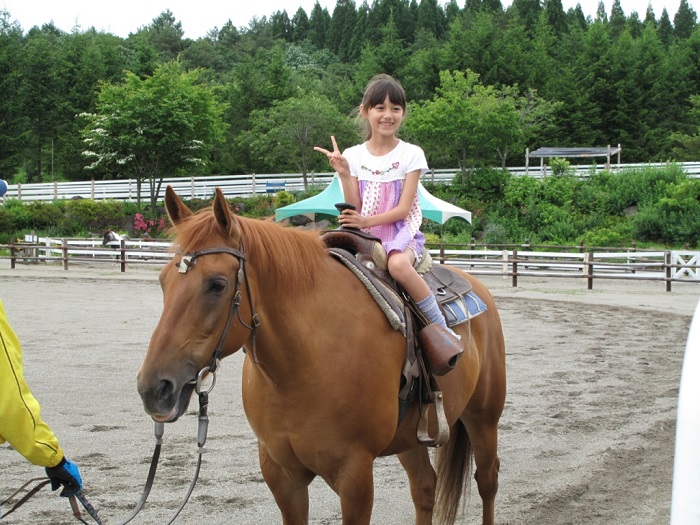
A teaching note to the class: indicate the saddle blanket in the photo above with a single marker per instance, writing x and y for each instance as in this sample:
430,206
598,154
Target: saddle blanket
463,308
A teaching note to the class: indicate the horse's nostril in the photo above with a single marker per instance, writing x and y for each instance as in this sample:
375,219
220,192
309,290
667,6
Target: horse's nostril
165,390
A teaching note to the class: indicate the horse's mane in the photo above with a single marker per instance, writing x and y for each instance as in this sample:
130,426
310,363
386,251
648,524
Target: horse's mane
277,252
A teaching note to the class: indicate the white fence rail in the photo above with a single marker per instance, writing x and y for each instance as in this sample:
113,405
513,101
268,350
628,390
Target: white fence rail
251,185
664,266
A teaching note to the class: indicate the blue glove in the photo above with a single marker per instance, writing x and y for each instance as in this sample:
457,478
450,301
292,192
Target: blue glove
67,475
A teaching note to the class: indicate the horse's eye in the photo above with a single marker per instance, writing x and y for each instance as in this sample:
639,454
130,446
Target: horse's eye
218,285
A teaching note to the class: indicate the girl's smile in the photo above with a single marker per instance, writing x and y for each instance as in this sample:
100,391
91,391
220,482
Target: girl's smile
384,118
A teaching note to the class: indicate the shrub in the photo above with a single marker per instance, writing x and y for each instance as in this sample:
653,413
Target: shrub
604,237
95,216
7,223
41,216
482,183
284,198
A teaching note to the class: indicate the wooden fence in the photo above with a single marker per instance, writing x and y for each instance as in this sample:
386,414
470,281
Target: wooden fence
523,261
250,185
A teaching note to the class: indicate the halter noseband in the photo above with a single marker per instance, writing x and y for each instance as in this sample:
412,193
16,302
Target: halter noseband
187,262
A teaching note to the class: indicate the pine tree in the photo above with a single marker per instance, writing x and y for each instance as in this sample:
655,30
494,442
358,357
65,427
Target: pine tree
665,28
281,25
635,25
650,18
359,33
617,19
318,25
492,6
340,29
576,18
601,15
451,12
685,20
431,18
300,26
556,18
527,11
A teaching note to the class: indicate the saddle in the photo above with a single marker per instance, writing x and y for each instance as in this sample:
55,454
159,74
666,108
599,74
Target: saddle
364,255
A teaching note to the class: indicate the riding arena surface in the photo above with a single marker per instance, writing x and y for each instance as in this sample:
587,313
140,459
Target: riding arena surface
587,435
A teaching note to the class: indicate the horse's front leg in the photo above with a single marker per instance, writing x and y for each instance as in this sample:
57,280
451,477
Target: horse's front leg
422,479
354,483
290,488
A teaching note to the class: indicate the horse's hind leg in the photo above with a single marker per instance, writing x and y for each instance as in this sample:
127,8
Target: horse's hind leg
484,439
422,479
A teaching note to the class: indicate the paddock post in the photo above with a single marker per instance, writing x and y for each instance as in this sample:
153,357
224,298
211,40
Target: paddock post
669,272
515,269
64,251
589,269
13,253
442,253
122,255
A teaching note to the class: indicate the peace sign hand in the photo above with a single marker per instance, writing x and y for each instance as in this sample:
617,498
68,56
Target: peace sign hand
336,159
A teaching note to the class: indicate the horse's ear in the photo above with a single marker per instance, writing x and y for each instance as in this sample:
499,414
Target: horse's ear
222,212
176,208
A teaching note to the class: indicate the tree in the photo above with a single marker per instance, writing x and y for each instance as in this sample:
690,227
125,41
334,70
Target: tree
281,26
617,19
388,57
341,28
319,20
685,20
650,17
687,146
665,28
153,127
42,95
556,18
527,11
283,136
466,122
300,26
431,18
600,14
165,34
11,127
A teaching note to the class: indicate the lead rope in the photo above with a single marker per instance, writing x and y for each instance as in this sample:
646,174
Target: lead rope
202,429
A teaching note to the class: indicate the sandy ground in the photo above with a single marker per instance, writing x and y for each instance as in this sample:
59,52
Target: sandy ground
587,436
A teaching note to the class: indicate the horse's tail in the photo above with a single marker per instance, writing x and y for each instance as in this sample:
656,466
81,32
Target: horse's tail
454,467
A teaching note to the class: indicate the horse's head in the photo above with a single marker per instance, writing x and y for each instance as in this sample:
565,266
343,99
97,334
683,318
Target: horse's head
108,236
207,311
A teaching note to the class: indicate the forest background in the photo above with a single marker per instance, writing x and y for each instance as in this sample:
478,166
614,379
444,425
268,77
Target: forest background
484,83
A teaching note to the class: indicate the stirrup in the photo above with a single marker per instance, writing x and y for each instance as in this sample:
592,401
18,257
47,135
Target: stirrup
443,434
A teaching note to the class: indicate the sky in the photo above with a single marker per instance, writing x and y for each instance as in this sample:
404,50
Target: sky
198,17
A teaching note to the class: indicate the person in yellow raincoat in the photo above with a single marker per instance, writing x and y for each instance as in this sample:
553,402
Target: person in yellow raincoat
20,418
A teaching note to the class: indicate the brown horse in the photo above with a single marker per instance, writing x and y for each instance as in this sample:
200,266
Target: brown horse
322,370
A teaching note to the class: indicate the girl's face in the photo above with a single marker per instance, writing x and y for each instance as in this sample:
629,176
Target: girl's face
384,119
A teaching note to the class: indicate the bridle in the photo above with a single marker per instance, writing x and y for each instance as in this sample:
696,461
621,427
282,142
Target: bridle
186,263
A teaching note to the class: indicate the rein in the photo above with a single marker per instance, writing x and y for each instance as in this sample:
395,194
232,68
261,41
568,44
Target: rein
186,263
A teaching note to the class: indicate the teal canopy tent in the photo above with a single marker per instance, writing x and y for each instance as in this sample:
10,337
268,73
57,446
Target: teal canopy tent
323,204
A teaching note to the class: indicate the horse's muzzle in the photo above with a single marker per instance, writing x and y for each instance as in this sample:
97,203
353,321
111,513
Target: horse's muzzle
165,402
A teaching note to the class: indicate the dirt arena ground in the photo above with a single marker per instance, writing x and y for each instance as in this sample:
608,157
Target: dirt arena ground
587,436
